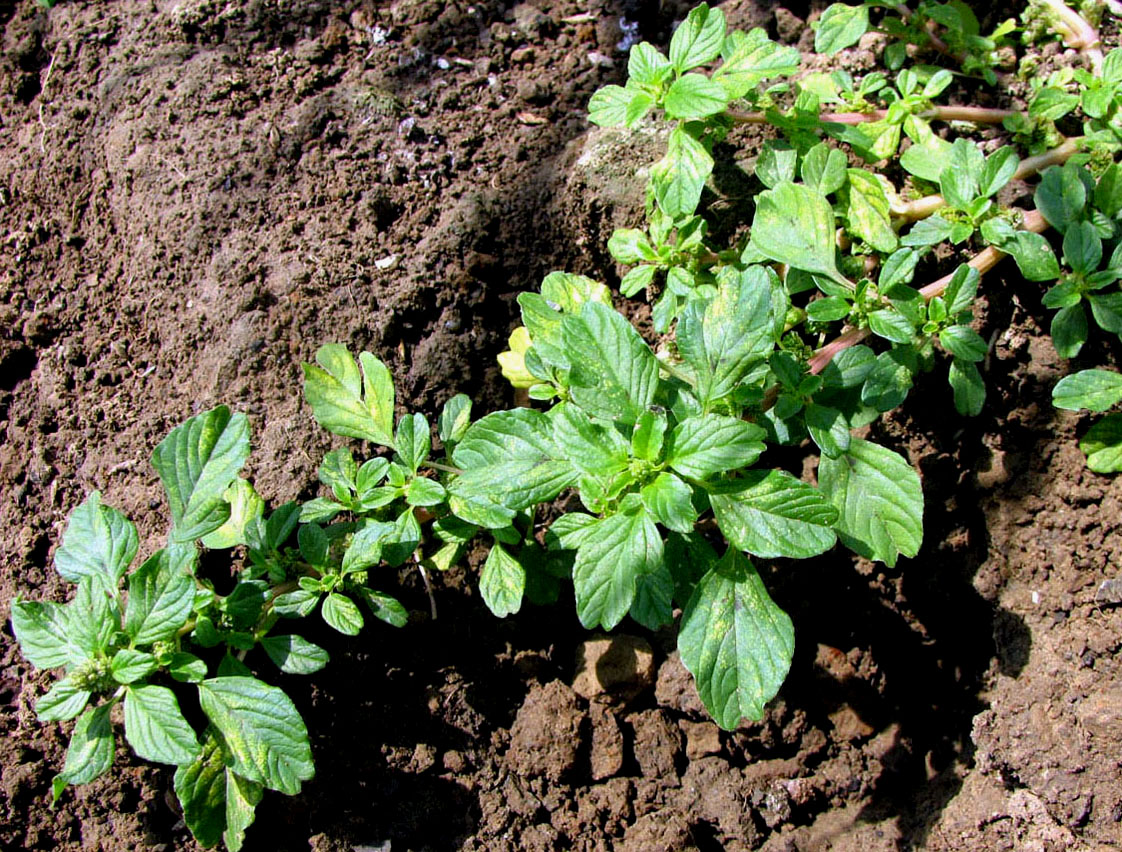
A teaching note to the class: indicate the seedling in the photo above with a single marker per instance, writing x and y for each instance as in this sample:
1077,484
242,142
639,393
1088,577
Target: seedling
808,327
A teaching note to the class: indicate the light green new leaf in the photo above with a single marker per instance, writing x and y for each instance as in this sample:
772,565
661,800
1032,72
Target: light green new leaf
365,549
999,169
347,402
959,179
771,513
245,506
262,731
679,177
712,443
1095,390
840,27
340,612
698,39
155,727
868,212
63,701
294,654
502,582
1103,445
510,461
879,501
161,595
197,462
41,630
98,540
385,608
614,372
823,169
90,753
669,500
794,224
735,641
608,105
613,552
694,96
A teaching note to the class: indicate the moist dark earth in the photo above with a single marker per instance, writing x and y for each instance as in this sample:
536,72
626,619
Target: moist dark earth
196,194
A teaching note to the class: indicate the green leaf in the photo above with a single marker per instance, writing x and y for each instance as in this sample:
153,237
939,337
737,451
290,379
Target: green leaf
454,420
669,500
868,212
794,224
823,169
294,654
1095,390
63,701
735,641
197,462
93,616
593,448
829,309
725,338
840,27
776,163
90,753
340,612
879,500
200,787
1069,330
969,389
614,372
161,596
654,591
636,279
186,668
647,65
502,582
959,180
927,157
698,39
297,604
242,798
679,177
771,513
1108,191
155,728
754,58
1103,445
613,552
262,731
694,96
129,665
413,441
963,342
384,607
245,506
828,429
892,325
630,245
1032,252
712,443
98,540
510,461
647,439
608,106
1060,196
424,492
928,232
1052,103
1083,249
999,169
347,402
41,630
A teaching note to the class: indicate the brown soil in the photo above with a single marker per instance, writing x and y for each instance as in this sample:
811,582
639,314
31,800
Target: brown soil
196,194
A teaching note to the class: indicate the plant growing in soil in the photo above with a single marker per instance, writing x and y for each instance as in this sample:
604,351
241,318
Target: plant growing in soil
807,328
